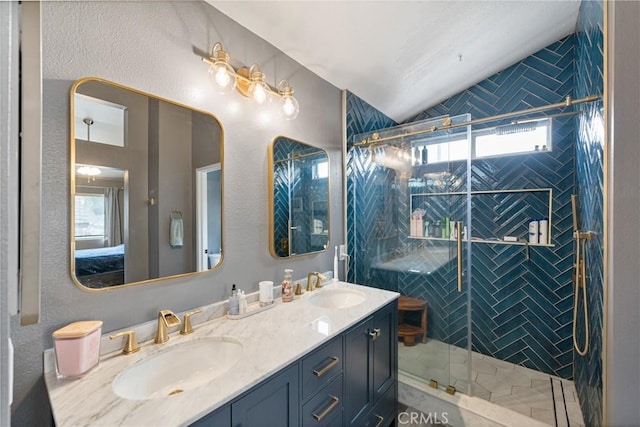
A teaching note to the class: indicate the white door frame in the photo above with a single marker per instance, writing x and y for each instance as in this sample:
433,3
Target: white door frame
202,214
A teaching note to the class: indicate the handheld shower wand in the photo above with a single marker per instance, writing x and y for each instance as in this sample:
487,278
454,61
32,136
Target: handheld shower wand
580,278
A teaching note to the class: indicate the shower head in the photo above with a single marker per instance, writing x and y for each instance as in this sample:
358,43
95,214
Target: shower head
574,210
516,128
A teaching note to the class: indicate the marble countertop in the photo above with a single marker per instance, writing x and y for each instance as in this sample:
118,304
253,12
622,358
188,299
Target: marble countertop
271,340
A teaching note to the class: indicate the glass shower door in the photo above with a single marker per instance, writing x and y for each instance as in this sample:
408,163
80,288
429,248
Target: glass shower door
408,199
438,192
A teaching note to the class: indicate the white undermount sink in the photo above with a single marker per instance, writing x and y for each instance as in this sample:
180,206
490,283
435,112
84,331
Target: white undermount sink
179,368
336,298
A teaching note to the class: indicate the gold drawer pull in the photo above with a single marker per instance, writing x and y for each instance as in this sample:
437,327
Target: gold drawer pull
328,409
380,420
334,361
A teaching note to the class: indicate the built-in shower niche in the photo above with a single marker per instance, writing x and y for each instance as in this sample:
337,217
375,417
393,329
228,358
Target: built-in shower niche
509,213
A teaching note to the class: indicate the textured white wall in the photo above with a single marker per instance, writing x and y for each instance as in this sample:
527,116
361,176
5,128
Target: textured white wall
156,47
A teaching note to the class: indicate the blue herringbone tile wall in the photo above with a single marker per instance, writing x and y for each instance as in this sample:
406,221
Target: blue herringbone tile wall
589,161
290,202
521,310
374,185
282,188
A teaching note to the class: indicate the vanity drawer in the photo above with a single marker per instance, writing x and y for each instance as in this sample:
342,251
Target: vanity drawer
321,366
325,408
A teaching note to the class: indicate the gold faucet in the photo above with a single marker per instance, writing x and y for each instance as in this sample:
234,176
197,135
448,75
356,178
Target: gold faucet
166,319
186,323
318,280
130,345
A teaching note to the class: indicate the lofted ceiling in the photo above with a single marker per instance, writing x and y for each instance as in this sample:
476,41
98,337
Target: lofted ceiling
403,57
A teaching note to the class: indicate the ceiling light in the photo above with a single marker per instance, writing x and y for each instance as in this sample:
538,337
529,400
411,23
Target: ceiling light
251,82
89,171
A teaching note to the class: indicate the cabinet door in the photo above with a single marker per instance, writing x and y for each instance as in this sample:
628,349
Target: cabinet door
275,403
358,371
385,348
219,418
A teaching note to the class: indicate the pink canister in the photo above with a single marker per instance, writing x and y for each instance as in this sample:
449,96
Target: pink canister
77,347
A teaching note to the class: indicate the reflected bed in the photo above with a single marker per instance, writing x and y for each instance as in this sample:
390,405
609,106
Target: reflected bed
100,267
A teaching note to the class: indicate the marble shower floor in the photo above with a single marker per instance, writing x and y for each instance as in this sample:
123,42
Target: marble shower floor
532,393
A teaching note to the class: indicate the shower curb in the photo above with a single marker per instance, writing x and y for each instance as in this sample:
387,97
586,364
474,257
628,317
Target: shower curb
461,410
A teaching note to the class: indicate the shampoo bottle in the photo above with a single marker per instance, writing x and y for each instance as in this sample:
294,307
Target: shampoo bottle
446,227
533,231
543,236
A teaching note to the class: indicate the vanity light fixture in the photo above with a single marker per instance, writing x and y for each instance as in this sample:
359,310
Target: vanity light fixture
251,82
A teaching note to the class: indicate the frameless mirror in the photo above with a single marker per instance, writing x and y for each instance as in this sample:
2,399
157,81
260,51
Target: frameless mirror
298,198
146,187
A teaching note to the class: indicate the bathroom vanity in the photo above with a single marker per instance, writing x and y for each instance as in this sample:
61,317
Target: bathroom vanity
327,358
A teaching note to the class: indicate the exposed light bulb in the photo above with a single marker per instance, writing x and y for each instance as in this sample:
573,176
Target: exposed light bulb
259,94
222,74
258,89
290,107
222,77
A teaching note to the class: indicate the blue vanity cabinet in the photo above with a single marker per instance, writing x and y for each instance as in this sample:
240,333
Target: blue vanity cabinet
350,380
274,403
371,366
221,417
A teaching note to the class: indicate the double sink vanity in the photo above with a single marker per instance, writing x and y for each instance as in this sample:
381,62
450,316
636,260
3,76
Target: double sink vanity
327,358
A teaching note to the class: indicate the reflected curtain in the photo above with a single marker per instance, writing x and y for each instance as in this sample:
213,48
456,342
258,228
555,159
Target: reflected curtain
112,216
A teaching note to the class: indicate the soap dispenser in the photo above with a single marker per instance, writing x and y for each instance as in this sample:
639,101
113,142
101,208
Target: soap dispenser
287,286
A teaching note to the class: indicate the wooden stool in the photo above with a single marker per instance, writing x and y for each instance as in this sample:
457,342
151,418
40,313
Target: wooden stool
408,333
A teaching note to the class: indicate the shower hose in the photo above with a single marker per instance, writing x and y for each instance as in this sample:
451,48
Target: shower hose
581,283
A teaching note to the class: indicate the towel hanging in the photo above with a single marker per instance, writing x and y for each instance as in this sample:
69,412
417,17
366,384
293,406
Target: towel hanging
176,229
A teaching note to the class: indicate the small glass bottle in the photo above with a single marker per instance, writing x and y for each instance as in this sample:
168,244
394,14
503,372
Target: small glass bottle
287,286
234,302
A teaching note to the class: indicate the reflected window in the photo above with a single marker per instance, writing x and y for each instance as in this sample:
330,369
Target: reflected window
320,169
89,210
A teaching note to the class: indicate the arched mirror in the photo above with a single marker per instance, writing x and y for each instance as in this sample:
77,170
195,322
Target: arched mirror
146,187
298,198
